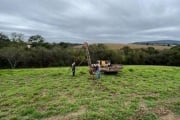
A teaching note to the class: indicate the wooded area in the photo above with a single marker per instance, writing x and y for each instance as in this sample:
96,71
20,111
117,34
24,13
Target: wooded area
14,53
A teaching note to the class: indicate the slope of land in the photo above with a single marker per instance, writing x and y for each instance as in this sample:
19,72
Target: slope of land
135,46
159,42
137,93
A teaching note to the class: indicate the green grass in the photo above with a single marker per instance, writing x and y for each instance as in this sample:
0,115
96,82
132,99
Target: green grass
52,93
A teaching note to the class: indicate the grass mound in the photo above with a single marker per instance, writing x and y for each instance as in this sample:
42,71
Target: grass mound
138,92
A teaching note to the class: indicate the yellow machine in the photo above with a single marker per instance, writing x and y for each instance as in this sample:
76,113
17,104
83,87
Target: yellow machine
104,63
106,66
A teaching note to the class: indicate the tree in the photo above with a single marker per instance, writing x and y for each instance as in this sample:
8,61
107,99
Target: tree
12,55
36,39
97,52
17,37
4,40
127,50
4,37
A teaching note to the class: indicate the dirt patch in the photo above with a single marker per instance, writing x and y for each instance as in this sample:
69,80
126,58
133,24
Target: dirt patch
74,115
170,116
142,105
140,96
165,114
70,116
141,112
133,95
171,100
162,112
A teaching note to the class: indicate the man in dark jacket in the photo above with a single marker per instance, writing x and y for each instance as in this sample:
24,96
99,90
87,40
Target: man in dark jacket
73,68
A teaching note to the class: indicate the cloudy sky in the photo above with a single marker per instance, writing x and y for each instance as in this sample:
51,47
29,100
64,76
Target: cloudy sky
117,21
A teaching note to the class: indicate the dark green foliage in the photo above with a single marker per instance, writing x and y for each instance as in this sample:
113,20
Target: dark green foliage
36,39
4,40
17,37
14,53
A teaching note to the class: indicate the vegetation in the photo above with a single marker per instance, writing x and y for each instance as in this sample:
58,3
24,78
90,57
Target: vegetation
15,53
135,46
137,93
160,42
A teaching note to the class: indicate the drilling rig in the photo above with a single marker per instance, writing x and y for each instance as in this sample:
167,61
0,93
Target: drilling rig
92,68
106,66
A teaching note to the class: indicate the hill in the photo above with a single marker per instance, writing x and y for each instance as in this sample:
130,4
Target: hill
137,93
133,46
159,42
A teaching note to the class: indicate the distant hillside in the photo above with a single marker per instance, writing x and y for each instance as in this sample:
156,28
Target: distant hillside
159,42
133,46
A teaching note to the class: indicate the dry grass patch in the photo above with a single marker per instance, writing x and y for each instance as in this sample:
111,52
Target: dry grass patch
134,46
73,115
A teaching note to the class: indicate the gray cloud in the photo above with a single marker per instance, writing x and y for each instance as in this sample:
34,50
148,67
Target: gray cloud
115,21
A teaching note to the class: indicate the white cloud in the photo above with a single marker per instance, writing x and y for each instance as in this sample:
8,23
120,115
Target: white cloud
93,20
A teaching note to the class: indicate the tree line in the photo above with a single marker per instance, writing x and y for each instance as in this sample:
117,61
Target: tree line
14,53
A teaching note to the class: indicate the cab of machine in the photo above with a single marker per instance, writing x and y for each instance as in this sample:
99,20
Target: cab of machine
104,63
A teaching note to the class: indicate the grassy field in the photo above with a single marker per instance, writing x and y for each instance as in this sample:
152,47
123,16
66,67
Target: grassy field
136,93
133,46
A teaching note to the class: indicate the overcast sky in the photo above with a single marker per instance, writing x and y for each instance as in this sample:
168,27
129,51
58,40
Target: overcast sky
117,21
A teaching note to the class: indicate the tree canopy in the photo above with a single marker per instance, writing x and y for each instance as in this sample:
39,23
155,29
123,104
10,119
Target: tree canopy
14,53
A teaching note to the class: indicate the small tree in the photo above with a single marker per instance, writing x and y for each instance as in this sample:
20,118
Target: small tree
4,40
36,39
17,37
12,55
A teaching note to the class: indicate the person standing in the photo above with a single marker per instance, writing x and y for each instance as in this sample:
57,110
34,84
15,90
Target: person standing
98,70
73,68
